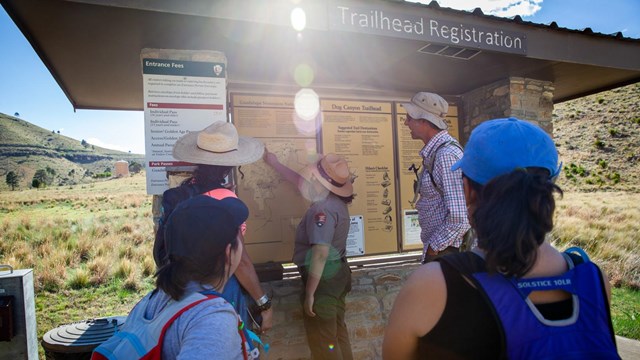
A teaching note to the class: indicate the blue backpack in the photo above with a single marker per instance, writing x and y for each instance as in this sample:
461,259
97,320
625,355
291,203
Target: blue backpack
143,339
586,334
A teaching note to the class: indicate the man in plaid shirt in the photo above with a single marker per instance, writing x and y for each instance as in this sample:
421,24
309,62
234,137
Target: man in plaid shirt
442,210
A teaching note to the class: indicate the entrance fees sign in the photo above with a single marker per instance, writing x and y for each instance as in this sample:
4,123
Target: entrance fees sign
362,132
179,96
275,205
408,156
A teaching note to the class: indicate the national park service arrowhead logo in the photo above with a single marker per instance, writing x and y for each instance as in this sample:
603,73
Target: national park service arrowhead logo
320,218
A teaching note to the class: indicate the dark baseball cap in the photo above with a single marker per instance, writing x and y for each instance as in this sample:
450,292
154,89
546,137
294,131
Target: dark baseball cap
202,226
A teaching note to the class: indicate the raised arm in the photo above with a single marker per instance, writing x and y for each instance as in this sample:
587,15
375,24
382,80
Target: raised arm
288,174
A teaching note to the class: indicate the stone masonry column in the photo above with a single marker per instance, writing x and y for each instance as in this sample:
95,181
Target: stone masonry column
524,98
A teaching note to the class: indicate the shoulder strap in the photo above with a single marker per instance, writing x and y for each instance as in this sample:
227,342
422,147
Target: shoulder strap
576,255
144,340
468,263
430,165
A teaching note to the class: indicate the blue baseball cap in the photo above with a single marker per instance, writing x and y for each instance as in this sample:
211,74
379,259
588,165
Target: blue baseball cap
497,147
202,226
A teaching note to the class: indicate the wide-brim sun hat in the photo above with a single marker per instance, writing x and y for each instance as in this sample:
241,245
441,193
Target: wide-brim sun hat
428,106
218,144
497,147
332,171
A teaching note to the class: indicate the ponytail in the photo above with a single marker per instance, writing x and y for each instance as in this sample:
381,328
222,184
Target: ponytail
513,215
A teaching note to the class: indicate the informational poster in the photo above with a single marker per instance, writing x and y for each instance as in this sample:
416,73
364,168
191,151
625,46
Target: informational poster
410,165
355,240
275,205
411,228
362,132
179,96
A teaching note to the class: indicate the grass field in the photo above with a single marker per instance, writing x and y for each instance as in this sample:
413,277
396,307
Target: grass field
90,246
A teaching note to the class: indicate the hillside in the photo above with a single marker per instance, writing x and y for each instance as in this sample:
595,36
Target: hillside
598,138
26,148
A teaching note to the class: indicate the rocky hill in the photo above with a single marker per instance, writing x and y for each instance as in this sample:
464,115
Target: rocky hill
26,148
598,138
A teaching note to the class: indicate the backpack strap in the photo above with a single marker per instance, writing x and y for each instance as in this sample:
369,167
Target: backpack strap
128,341
241,327
468,263
428,167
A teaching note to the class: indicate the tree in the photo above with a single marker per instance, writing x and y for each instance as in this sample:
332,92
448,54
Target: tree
84,143
12,180
17,114
40,179
135,167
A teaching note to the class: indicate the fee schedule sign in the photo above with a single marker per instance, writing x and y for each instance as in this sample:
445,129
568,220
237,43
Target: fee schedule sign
180,96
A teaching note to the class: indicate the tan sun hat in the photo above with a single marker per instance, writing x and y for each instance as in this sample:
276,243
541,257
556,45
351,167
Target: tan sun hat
332,171
428,106
218,144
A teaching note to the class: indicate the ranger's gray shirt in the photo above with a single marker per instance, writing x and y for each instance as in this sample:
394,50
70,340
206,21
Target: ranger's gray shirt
326,222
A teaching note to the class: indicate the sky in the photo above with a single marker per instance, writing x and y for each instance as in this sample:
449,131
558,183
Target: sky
27,87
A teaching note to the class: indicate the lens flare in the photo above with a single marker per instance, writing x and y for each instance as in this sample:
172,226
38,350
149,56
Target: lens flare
298,19
303,75
307,104
307,109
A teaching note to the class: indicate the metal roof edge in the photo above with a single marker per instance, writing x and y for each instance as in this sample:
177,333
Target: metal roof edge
518,20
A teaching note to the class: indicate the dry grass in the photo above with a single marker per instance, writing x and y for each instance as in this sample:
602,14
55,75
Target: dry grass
90,246
79,236
606,225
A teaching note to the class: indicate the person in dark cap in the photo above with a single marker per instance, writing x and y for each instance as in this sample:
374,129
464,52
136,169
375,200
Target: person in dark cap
186,316
215,151
320,252
513,296
441,210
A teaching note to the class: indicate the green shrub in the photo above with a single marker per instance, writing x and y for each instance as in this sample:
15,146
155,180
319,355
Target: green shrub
598,144
615,177
602,163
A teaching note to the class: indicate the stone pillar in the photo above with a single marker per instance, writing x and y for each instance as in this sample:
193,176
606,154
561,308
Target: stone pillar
524,98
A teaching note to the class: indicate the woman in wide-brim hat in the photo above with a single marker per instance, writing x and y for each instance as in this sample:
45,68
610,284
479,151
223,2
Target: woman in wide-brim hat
320,251
216,150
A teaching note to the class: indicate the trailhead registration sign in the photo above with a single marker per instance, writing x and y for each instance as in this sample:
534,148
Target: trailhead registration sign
180,95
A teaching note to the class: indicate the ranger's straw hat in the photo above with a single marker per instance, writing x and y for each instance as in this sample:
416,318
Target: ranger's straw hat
332,171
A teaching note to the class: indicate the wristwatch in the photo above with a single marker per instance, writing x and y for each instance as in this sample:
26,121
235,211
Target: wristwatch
264,303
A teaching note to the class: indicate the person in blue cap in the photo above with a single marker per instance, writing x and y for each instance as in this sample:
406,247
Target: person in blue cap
513,296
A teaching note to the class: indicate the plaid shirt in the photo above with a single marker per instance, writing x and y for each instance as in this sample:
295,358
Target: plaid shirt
443,218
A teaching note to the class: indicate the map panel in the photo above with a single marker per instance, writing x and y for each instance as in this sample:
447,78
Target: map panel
275,205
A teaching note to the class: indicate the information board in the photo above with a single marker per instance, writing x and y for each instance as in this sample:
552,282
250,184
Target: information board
362,132
409,158
180,95
275,205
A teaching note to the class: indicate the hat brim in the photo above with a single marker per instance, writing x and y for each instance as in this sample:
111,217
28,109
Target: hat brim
311,172
249,150
418,113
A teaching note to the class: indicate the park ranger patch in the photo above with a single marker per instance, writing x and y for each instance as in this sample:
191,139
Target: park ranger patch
320,218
